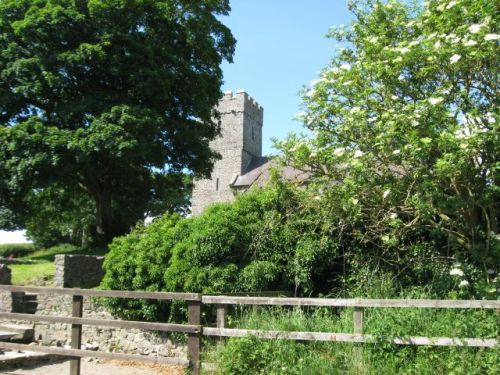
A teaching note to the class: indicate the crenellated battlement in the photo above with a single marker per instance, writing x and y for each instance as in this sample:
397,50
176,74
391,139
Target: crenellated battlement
240,101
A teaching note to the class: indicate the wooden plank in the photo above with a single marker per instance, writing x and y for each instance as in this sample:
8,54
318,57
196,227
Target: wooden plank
89,353
348,337
76,334
164,327
194,339
355,302
103,293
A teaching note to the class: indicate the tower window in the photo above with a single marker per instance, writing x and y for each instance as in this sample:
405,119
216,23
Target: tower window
217,184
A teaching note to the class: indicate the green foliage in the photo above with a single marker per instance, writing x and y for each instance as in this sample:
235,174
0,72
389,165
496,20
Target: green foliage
252,355
405,141
107,103
268,239
16,250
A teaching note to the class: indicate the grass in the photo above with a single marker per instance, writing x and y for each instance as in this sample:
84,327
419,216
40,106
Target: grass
50,253
250,355
41,272
32,274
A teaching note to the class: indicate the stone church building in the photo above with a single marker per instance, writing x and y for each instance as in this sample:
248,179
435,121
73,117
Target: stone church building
240,145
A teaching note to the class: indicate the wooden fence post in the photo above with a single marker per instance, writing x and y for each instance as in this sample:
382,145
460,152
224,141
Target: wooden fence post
221,316
358,328
76,334
358,320
194,339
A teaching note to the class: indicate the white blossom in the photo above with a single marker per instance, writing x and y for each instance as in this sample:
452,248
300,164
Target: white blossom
345,67
463,284
386,193
311,93
358,153
316,81
347,83
456,272
474,29
490,271
451,4
396,152
470,43
394,216
402,50
491,37
455,58
435,101
355,109
339,151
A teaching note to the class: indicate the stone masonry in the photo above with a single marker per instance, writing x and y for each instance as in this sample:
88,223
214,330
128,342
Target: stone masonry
85,271
240,142
78,271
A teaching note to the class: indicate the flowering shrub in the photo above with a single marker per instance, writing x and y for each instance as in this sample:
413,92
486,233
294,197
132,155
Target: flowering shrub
405,142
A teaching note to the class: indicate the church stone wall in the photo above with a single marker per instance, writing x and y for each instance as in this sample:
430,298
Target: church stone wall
240,141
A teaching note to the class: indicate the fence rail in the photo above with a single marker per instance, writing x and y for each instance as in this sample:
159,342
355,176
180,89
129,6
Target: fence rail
195,330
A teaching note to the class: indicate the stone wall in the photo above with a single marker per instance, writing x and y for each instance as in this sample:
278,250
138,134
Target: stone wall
82,271
105,339
79,271
5,274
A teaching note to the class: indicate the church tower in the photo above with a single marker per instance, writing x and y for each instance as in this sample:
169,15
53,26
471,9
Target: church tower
239,144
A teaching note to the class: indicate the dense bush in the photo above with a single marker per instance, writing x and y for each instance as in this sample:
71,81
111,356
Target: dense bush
279,238
16,250
259,242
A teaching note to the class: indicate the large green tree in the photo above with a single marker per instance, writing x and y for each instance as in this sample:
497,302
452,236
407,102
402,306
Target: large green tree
106,98
405,137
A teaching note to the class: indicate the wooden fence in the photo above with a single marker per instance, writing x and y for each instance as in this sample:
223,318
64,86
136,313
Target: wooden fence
194,329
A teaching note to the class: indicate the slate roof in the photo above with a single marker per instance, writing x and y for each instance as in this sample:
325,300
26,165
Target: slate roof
259,172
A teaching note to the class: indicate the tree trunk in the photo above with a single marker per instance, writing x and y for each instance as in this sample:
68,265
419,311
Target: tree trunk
106,227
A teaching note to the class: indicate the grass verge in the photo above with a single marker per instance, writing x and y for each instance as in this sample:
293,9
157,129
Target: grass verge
32,274
250,355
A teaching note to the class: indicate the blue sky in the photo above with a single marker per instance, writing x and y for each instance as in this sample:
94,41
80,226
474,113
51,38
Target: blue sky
281,47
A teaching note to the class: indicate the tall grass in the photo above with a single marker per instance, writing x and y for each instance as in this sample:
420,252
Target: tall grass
250,355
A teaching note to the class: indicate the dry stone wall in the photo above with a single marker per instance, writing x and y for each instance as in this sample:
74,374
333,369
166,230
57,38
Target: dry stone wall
78,271
104,339
82,271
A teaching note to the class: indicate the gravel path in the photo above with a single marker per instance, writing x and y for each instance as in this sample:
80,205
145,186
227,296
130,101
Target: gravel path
92,367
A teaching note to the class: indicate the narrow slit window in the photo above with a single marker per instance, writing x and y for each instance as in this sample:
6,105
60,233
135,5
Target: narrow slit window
217,184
